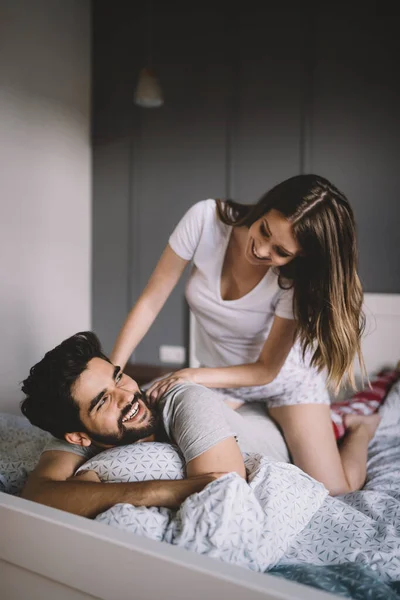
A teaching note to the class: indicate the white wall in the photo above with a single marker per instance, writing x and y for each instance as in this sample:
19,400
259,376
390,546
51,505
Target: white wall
45,182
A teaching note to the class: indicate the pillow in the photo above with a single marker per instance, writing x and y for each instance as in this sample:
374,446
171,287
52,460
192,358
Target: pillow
21,445
137,462
365,402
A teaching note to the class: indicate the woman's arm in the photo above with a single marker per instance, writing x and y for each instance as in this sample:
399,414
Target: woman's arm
308,432
160,285
272,357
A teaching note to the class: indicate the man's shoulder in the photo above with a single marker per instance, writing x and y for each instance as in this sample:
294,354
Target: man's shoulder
186,400
183,392
86,452
194,419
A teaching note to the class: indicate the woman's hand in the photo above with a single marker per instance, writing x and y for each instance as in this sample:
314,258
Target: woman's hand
162,386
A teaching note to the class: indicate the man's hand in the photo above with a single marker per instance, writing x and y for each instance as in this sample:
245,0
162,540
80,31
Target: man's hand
177,491
171,495
162,386
85,476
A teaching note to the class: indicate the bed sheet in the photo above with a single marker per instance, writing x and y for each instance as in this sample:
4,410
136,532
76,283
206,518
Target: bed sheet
281,519
349,580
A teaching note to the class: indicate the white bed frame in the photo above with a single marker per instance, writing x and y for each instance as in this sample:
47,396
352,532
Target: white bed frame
47,554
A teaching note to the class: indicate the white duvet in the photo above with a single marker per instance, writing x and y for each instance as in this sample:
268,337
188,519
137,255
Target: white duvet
282,516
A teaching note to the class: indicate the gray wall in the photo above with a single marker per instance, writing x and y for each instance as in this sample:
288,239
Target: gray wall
252,95
45,175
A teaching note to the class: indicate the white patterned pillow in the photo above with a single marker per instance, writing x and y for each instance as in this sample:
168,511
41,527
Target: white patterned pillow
137,462
21,445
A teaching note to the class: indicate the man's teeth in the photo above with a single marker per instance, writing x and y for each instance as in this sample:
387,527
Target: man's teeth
132,413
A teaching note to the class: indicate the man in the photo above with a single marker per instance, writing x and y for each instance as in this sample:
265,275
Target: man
88,405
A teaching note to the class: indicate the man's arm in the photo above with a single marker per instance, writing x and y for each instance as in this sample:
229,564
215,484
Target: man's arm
195,417
53,483
224,456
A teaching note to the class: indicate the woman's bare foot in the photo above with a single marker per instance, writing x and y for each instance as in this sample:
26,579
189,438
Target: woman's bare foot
368,422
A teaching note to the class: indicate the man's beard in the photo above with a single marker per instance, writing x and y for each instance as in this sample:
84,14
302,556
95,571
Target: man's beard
131,436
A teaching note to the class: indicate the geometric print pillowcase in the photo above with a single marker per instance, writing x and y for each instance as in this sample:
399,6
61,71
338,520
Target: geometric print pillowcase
21,445
143,461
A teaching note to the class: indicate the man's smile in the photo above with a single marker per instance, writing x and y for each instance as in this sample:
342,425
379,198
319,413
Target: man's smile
133,412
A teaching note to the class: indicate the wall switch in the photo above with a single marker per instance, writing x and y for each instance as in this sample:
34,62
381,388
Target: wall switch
172,354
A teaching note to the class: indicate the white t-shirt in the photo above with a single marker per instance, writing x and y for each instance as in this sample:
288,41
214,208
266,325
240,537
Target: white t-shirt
230,332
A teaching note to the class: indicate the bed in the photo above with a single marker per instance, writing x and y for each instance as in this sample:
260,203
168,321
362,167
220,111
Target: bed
48,553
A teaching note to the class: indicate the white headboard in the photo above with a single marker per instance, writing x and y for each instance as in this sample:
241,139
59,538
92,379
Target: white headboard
381,341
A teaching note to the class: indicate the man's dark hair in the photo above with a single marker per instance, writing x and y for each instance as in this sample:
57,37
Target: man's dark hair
49,403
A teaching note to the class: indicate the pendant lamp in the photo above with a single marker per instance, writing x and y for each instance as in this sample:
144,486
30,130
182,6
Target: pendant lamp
148,93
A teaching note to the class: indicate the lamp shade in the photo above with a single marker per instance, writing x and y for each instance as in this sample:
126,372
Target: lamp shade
148,92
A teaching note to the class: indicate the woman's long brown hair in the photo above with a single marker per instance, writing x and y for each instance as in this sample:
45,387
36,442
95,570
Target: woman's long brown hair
327,293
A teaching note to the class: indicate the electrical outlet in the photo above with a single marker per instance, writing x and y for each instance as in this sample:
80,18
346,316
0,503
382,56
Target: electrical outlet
172,354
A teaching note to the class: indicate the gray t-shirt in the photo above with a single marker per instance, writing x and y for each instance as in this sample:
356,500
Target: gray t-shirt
196,419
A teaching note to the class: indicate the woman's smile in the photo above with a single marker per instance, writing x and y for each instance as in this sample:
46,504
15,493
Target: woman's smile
257,255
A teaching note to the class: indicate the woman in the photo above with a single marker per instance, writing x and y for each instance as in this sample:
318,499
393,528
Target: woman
275,291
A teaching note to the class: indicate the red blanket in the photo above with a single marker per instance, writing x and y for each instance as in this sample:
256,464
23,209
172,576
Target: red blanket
365,402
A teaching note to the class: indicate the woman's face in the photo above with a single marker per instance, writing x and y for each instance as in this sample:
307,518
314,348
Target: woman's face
271,242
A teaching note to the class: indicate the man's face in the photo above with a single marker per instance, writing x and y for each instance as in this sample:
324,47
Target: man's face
111,407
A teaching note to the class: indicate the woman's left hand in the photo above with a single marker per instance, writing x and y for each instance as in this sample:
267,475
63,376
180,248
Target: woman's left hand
162,386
